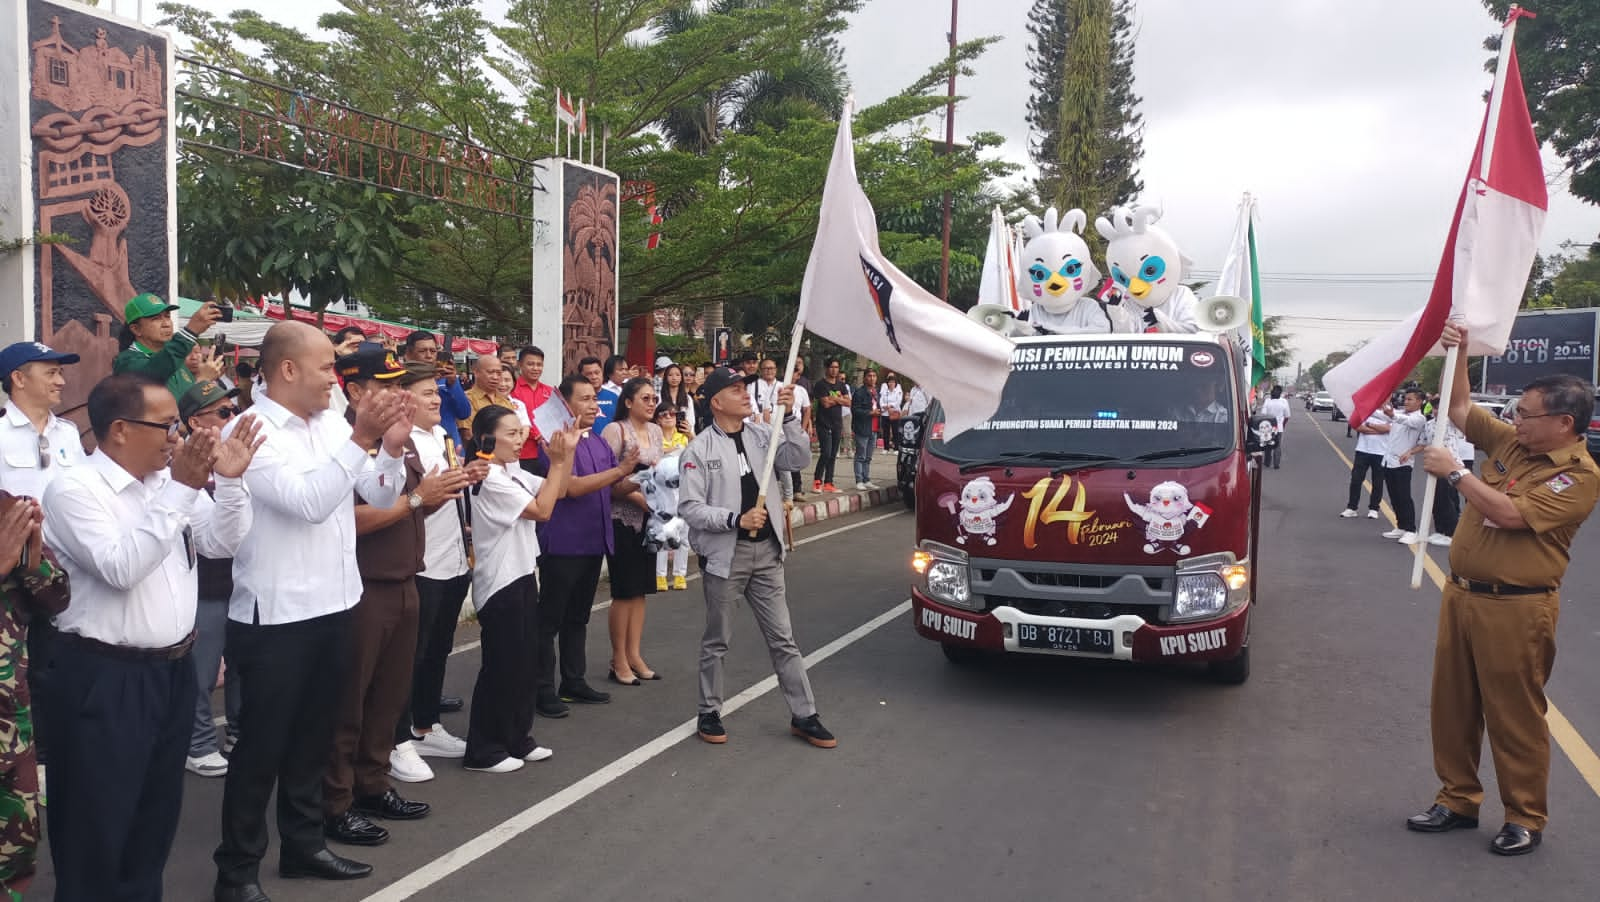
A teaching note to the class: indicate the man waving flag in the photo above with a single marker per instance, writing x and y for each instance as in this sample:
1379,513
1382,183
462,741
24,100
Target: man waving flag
1487,255
853,296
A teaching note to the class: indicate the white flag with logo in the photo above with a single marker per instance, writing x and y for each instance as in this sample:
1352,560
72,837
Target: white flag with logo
856,298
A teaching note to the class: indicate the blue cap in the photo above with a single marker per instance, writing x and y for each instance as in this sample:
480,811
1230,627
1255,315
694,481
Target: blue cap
25,352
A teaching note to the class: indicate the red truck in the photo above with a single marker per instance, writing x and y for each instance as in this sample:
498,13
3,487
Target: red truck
1108,509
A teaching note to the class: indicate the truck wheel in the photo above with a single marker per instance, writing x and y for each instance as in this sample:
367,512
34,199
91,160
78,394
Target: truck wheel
961,655
1233,671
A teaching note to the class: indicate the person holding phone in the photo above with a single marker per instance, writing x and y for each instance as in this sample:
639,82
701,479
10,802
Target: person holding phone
154,348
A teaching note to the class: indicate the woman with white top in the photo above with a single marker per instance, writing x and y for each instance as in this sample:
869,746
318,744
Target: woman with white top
631,564
505,590
891,399
676,391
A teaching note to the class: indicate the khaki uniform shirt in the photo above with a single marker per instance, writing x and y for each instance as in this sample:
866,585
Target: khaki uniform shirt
1553,492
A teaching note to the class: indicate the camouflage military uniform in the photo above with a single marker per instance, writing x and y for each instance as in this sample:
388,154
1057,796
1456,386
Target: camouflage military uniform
42,593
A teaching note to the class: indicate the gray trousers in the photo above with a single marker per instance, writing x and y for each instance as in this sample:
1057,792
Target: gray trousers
211,624
757,578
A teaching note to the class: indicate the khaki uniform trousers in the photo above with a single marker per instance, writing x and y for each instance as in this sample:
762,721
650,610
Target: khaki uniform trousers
1490,665
377,687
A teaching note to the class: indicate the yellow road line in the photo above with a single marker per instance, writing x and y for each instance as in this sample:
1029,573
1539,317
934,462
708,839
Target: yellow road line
1572,743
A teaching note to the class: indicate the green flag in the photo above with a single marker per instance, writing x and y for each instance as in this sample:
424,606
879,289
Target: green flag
1258,346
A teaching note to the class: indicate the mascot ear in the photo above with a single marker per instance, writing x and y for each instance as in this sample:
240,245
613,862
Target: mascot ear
1076,220
1031,227
1143,218
1105,228
1052,220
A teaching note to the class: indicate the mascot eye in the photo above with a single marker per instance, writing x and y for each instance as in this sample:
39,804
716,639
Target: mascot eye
1120,277
1073,269
1152,269
1038,273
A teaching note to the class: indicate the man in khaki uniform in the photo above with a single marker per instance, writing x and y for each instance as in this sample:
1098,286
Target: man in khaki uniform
1497,621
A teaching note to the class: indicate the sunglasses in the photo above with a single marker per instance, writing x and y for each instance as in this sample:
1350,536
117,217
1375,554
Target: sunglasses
44,452
171,429
223,413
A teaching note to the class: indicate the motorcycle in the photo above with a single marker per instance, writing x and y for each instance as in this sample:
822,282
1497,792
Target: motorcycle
905,467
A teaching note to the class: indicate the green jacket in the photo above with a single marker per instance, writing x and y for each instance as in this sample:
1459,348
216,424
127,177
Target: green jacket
165,364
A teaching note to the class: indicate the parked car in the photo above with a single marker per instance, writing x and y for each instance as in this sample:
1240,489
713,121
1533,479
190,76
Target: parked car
1495,404
1322,401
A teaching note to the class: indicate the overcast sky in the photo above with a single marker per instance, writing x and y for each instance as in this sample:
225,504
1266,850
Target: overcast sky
1352,121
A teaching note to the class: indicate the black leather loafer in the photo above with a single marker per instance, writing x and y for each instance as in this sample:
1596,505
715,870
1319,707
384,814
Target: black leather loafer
352,828
451,703
1440,819
391,807
250,892
1515,839
324,865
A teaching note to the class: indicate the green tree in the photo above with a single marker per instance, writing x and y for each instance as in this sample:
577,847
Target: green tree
1087,131
1317,370
1276,342
1559,54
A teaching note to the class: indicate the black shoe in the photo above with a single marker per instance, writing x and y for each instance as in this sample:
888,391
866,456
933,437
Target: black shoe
811,730
612,676
390,807
451,703
353,829
551,708
1440,819
1515,839
250,892
711,729
584,694
324,866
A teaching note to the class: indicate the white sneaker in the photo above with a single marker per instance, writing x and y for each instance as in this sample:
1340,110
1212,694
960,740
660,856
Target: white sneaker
438,743
1440,539
211,765
539,753
1409,538
870,486
861,487
1395,533
1372,515
407,766
506,766
1348,512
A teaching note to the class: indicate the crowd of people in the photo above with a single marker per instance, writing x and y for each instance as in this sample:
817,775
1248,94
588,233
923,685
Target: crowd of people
306,531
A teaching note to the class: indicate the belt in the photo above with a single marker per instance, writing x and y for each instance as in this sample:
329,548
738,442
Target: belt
170,653
1472,585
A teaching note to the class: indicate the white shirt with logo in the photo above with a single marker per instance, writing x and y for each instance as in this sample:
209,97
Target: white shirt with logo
506,543
444,553
27,466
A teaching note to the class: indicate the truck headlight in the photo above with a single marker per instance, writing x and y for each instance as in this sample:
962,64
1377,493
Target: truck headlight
1209,586
945,575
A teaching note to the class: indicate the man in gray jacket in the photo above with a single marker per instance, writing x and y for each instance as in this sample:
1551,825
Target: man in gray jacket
741,556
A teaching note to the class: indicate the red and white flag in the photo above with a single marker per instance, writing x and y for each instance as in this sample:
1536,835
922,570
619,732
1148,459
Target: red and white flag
564,111
1487,256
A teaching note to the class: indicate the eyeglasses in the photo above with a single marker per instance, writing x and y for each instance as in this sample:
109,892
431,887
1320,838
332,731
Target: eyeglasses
1520,416
171,429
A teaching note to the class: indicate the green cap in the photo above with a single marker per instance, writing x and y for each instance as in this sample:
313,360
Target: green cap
202,395
144,306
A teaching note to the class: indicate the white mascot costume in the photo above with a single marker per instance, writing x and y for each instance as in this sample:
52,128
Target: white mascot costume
1058,276
1146,264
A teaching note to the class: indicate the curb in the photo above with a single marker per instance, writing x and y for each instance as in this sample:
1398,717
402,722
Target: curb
806,513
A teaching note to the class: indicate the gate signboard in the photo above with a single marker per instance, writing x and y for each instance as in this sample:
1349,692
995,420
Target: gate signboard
1544,343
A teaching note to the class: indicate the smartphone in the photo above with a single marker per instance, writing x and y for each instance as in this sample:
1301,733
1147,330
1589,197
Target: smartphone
227,312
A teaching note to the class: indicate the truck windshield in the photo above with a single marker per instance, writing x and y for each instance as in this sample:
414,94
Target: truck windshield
1076,402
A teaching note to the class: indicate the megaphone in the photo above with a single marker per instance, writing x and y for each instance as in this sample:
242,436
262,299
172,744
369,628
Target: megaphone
1222,313
995,316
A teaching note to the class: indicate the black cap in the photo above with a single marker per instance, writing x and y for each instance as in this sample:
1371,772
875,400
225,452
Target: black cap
368,363
723,378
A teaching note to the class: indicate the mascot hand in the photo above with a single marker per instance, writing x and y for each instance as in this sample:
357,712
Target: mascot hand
675,533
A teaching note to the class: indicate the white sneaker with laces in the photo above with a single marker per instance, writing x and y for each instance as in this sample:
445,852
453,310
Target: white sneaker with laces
1372,515
1439,539
210,765
438,743
1409,538
1395,533
505,766
539,753
407,766
1348,512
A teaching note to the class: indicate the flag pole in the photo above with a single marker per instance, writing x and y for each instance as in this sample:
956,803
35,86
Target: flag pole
1447,376
777,425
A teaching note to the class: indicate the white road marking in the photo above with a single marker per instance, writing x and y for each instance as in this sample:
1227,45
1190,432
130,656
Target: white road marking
470,851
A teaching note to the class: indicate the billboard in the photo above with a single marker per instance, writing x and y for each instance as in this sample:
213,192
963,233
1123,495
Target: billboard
1544,343
575,281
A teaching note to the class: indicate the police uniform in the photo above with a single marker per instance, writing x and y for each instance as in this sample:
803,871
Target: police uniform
1497,623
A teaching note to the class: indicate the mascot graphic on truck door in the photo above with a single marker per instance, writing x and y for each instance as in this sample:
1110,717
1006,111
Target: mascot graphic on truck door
1167,517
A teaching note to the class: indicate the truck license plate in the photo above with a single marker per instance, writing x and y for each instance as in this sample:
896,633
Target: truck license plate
1064,638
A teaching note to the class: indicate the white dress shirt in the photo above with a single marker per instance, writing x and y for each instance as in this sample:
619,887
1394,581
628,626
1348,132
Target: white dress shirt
299,560
1373,442
763,397
916,401
1278,409
890,398
507,544
122,543
1405,433
444,554
20,473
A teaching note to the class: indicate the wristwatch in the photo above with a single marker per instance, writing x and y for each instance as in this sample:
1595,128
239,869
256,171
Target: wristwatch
1458,475
414,500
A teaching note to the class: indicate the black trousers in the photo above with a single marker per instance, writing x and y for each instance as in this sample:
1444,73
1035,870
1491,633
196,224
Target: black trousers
570,582
437,615
116,770
40,633
1366,464
1446,508
501,722
828,450
1398,479
291,675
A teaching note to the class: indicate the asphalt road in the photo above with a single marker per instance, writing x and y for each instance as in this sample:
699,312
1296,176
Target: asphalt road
1047,778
